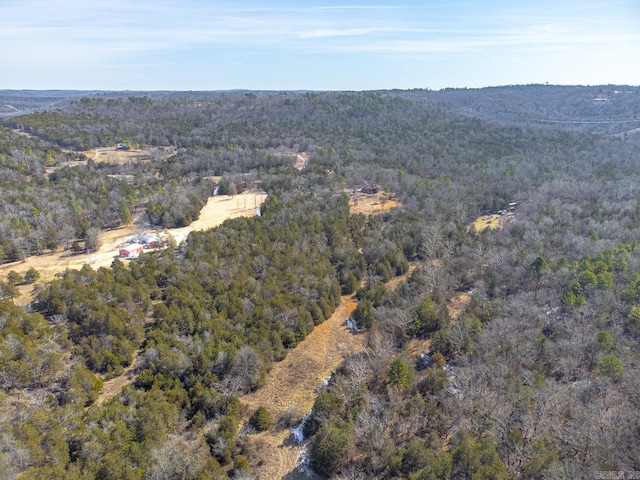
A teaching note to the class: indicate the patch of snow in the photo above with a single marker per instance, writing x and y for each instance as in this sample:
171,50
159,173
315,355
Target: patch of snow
303,463
351,324
580,383
297,432
453,385
424,362
303,460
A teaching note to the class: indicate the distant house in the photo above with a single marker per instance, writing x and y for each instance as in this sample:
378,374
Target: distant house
147,240
150,240
131,251
122,146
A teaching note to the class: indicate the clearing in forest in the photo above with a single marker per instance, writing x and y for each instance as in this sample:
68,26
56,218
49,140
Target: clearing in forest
301,161
292,384
492,222
370,204
217,210
115,156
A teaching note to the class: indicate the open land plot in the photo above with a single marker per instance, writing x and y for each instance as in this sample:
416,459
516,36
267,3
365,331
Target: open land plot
217,210
114,156
492,222
292,383
370,204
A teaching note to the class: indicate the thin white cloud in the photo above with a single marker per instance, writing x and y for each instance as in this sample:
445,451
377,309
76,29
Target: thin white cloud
480,44
36,35
356,7
347,32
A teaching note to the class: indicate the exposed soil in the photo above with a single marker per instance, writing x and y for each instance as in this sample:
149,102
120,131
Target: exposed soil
292,385
370,204
112,387
301,161
491,221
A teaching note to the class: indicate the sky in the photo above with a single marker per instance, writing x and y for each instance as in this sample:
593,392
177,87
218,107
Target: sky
321,45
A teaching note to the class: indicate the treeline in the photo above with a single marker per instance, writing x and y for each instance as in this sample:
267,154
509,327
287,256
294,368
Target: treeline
603,109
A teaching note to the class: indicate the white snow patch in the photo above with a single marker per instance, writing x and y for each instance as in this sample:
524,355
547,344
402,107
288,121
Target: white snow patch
351,324
303,463
453,385
297,431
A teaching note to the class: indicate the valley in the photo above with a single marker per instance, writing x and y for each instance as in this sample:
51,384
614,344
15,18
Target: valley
441,284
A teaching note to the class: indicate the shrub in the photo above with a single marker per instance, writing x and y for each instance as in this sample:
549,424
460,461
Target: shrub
261,419
610,366
329,447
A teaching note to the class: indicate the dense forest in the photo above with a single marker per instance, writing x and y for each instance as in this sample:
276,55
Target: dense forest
537,377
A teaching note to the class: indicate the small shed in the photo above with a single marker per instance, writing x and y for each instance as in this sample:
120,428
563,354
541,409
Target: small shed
150,240
131,251
370,189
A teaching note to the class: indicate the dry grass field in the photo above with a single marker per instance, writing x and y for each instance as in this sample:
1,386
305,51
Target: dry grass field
217,210
113,156
292,384
491,221
370,204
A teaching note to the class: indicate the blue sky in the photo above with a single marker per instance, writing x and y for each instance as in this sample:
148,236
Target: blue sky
303,45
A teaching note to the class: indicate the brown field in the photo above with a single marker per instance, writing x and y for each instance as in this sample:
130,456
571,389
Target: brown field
113,156
301,161
216,211
370,204
491,221
292,384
